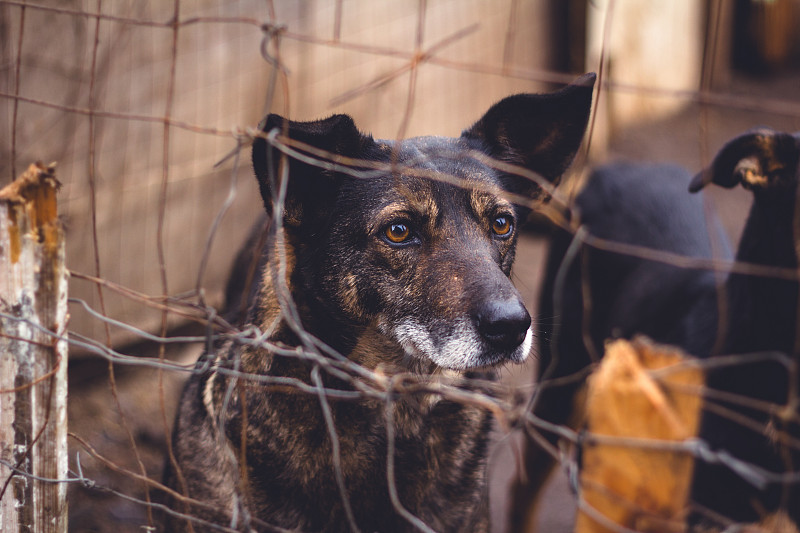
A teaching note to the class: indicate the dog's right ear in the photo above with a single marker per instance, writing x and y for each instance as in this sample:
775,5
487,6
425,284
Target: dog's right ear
311,187
759,159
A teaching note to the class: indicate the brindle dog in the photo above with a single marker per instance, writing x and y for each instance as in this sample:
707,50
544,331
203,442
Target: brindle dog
395,256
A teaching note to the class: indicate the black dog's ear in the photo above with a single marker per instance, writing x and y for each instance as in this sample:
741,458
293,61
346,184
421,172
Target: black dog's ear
310,187
541,132
759,159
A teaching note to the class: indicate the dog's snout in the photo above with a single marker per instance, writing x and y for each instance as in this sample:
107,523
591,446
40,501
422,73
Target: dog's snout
503,324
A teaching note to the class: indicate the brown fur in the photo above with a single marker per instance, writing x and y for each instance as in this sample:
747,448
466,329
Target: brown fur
256,440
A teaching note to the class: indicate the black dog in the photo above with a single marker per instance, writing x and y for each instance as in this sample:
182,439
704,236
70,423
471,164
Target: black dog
762,322
392,256
592,293
751,408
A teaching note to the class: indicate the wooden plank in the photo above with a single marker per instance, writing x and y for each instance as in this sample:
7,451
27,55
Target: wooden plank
642,487
33,362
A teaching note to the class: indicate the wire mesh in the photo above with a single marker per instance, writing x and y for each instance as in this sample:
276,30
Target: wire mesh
150,110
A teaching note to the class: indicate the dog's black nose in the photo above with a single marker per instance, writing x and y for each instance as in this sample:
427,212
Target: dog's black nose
503,324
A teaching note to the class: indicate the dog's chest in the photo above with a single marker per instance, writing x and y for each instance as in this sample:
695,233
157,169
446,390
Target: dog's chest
293,457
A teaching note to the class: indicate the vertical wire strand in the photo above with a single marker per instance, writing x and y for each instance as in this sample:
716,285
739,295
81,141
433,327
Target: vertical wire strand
15,102
162,208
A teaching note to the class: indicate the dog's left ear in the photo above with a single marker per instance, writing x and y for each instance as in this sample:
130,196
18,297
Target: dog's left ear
541,132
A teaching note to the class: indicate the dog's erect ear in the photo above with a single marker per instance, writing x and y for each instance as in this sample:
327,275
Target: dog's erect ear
541,132
759,159
310,187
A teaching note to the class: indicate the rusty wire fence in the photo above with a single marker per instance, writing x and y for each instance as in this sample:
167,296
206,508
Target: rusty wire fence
150,111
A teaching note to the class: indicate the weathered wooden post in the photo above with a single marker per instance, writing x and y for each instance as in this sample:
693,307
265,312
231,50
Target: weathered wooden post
33,356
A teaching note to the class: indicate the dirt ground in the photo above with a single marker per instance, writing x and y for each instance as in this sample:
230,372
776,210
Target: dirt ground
94,412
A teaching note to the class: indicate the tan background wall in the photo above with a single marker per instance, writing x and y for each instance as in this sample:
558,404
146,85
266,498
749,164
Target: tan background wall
220,84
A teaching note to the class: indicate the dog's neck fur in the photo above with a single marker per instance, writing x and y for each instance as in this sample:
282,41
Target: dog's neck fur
765,309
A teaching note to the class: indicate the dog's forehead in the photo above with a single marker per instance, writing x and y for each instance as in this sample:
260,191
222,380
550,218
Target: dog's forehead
444,161
442,154
432,174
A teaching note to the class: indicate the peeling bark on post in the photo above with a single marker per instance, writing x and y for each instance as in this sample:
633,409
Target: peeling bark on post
33,356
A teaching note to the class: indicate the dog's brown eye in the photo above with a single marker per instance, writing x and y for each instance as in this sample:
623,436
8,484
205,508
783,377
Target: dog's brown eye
501,226
397,233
